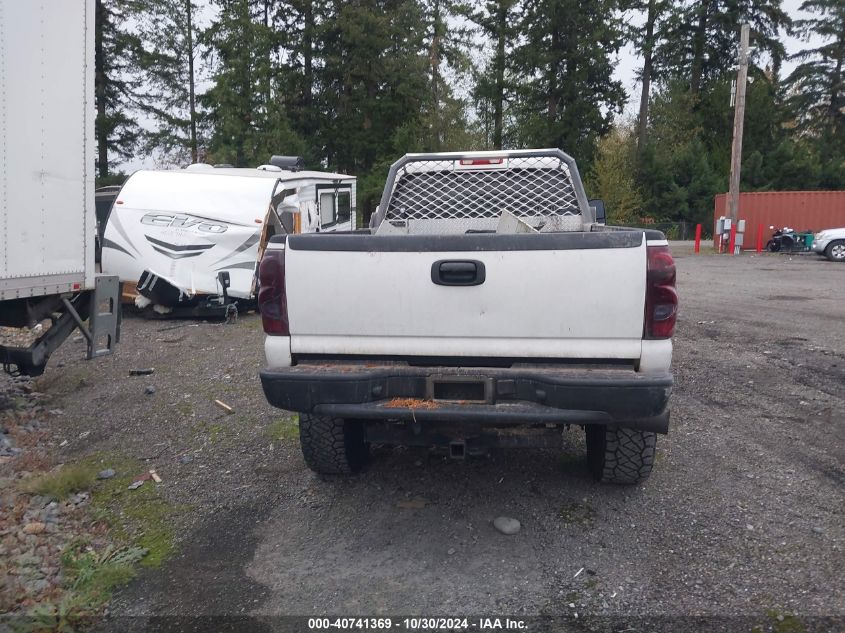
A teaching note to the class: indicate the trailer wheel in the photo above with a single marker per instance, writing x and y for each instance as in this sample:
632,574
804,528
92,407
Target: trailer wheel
333,446
620,456
835,251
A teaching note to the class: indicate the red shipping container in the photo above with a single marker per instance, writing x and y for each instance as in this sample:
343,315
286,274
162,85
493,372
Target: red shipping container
799,210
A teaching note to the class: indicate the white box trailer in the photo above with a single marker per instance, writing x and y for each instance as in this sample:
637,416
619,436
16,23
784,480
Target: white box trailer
47,219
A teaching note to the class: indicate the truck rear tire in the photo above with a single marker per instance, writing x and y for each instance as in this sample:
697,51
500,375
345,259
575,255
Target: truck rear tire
620,456
333,446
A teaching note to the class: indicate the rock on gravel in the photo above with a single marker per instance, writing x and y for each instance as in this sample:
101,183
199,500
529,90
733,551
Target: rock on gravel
506,525
108,473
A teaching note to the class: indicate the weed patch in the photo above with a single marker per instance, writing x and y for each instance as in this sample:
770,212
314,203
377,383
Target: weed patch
285,429
63,482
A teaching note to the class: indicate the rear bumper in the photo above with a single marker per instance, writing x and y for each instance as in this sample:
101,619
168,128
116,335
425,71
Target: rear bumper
546,395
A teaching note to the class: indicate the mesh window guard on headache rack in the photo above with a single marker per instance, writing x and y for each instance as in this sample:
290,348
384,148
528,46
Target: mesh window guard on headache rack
450,193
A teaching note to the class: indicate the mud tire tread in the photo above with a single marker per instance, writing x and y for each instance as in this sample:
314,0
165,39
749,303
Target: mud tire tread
620,456
332,446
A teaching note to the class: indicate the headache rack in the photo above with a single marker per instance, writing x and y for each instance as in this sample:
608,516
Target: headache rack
474,192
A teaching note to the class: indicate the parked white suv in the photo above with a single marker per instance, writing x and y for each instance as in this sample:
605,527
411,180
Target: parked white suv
831,244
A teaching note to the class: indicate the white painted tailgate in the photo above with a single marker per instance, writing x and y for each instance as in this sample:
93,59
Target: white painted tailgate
575,303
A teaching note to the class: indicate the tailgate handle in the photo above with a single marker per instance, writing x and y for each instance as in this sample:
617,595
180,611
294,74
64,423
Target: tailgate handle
458,272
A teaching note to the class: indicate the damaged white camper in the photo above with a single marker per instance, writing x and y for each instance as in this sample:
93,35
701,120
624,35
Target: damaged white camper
188,242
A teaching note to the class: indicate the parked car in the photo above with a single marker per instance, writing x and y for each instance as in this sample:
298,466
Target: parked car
485,307
831,244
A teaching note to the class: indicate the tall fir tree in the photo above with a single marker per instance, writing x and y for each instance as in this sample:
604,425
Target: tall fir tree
446,41
169,34
567,96
698,39
116,83
645,41
818,83
248,123
373,85
497,23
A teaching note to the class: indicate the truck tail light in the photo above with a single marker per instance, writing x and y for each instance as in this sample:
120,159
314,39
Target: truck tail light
272,300
661,299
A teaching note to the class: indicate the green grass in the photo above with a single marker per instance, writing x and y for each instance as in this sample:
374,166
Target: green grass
90,579
185,408
214,431
61,483
139,527
135,517
785,622
285,429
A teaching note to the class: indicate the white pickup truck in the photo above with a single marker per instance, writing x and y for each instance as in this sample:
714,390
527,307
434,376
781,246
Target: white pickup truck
484,307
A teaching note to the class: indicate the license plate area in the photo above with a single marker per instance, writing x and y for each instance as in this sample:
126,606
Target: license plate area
474,389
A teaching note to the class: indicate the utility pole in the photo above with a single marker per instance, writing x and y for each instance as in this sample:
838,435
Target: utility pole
739,119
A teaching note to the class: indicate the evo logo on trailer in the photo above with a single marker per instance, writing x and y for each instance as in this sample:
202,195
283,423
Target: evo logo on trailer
182,222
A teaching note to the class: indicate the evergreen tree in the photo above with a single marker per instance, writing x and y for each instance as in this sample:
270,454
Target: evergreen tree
611,177
567,96
818,83
168,31
248,122
373,85
496,22
645,41
698,39
446,43
116,83
299,26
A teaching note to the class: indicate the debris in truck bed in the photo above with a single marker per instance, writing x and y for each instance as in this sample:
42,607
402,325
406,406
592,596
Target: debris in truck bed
411,403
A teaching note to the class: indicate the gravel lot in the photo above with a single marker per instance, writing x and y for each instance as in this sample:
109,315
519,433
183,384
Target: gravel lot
743,515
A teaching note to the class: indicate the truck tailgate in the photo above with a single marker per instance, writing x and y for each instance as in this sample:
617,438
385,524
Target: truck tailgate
552,295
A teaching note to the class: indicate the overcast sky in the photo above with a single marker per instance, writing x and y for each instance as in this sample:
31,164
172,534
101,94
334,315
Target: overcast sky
627,66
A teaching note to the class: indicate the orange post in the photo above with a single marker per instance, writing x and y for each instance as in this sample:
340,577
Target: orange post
759,238
732,243
697,238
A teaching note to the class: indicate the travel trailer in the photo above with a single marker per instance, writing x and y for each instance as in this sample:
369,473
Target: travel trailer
187,242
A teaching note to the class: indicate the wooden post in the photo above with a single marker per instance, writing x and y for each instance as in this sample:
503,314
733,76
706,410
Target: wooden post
697,238
739,118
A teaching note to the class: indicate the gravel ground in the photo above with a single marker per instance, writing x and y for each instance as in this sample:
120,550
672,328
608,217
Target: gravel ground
743,515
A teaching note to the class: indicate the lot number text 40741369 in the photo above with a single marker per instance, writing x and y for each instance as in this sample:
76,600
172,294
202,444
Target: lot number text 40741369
416,624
